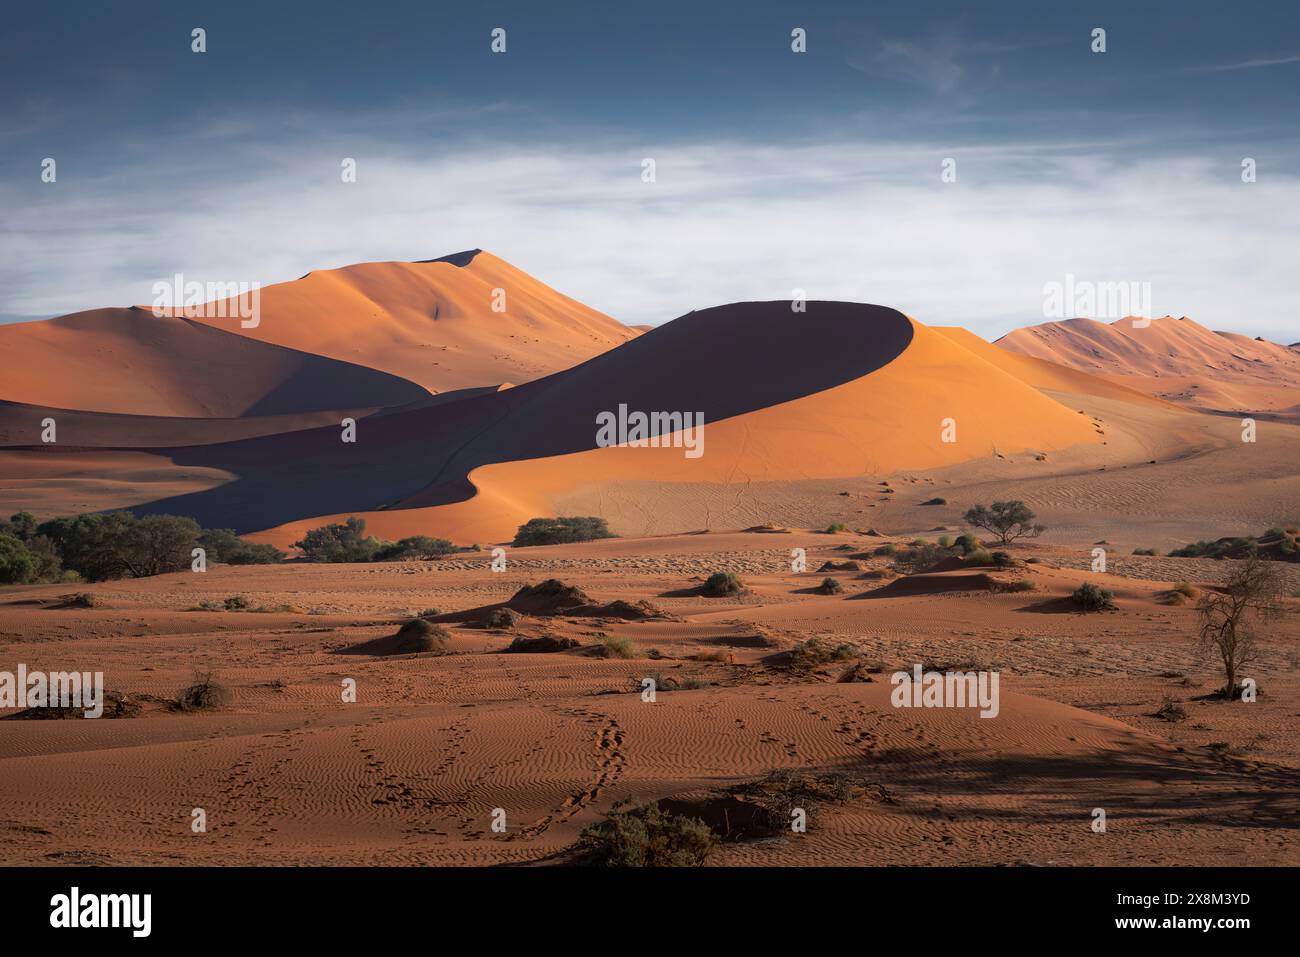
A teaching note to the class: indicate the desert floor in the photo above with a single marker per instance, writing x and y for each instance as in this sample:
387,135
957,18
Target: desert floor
412,771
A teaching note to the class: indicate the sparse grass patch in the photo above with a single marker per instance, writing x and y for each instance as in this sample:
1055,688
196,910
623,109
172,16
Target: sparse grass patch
830,586
418,636
620,646
1171,710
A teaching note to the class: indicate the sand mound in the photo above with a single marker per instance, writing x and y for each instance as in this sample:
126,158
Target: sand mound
933,583
414,637
129,361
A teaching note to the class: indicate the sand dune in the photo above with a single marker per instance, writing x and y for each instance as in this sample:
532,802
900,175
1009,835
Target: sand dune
840,390
132,362
433,322
1175,359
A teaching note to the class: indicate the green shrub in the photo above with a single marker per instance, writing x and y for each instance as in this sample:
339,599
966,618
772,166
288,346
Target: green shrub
835,528
619,646
560,531
18,565
1091,597
830,586
647,837
346,542
1007,520
414,548
223,545
235,603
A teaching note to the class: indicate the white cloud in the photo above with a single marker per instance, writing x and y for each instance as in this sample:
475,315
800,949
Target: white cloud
724,222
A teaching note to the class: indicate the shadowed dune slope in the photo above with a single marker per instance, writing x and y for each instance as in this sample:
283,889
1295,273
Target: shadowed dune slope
132,362
841,390
434,322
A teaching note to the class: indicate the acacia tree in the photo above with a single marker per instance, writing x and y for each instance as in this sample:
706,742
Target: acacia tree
1007,520
1227,617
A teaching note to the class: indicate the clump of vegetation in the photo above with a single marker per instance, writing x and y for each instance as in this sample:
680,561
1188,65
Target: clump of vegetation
1171,710
1276,544
429,613
235,603
830,586
502,618
1228,618
619,646
342,542
979,558
676,682
82,599
206,694
223,545
1092,597
418,636
414,548
967,543
818,651
721,584
560,531
919,556
835,528
1009,521
1145,551
647,836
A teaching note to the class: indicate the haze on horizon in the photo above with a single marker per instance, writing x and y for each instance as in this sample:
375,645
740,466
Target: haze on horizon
775,170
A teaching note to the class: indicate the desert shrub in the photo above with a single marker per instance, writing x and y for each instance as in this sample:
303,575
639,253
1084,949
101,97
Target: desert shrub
205,694
721,584
619,646
979,558
429,613
502,618
235,603
1186,590
818,651
82,599
916,558
967,542
1171,710
945,541
414,548
647,837
1228,619
835,528
1007,520
223,545
830,586
346,542
559,531
17,564
1145,551
887,549
1092,597
418,635
110,545
21,525
1019,585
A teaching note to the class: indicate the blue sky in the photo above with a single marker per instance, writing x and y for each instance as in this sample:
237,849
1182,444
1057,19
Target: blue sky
775,171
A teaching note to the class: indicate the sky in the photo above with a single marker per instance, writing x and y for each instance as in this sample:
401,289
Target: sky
776,173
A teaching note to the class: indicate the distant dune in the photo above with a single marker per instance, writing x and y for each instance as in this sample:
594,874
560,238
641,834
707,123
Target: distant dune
130,361
1174,359
434,322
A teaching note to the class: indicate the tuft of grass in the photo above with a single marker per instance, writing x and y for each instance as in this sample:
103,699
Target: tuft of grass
1171,710
620,646
830,586
1020,584
502,618
235,603
721,584
835,528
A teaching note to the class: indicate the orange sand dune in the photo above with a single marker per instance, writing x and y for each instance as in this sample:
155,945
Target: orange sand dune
133,362
1175,359
883,387
434,322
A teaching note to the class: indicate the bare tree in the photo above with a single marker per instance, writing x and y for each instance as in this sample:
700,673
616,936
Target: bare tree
1007,520
1227,617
